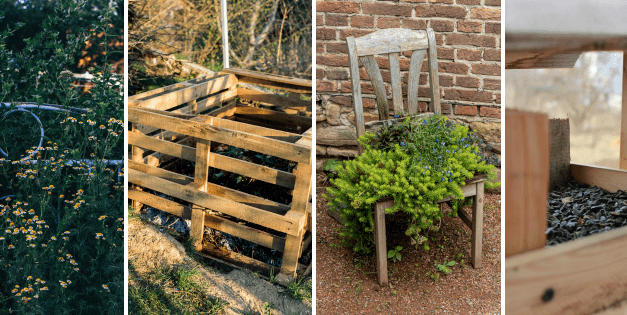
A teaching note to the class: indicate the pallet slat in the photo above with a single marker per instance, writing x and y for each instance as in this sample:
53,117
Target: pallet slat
217,190
248,233
239,139
169,99
239,210
229,164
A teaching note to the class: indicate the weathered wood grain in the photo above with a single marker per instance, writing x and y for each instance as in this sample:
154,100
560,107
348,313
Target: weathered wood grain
395,74
370,64
391,40
356,89
415,64
289,151
434,77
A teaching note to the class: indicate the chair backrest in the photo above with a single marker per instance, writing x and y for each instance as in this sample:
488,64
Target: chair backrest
392,42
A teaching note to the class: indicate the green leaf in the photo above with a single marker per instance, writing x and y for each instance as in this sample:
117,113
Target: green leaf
398,256
391,254
451,263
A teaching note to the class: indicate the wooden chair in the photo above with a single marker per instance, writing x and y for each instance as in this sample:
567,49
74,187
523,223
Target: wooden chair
392,42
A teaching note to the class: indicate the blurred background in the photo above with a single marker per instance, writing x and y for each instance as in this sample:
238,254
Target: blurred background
589,94
272,36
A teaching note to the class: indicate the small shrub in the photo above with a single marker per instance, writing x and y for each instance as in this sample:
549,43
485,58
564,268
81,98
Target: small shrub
417,163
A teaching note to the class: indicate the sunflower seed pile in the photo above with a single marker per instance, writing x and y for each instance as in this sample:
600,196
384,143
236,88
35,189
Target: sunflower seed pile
577,210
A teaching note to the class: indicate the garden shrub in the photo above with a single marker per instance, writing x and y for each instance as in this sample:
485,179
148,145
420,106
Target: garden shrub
61,204
417,163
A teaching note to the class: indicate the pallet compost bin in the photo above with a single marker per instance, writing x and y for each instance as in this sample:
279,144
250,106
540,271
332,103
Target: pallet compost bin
169,124
586,275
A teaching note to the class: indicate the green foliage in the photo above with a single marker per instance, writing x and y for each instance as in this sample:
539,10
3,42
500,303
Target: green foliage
417,163
61,224
330,167
445,267
170,291
395,254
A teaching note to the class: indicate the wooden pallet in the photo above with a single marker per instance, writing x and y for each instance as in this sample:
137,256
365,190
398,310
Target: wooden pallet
168,125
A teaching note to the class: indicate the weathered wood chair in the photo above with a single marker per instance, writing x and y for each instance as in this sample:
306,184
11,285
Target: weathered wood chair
392,42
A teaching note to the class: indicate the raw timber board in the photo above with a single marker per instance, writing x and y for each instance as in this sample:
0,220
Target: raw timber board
271,80
285,150
605,178
287,223
217,190
289,105
172,98
579,277
527,180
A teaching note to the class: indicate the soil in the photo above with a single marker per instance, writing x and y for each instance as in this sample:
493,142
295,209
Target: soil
244,292
346,282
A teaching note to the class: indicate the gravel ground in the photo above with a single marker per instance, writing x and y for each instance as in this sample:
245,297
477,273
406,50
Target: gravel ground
346,282
577,210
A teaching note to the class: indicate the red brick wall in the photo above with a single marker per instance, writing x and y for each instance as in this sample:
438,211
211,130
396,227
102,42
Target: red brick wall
469,54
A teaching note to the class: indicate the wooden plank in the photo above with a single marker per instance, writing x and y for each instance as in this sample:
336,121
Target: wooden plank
220,191
609,179
377,82
275,116
197,230
415,64
160,203
465,218
174,87
356,89
434,78
204,157
260,131
242,211
380,240
623,125
272,80
237,260
527,180
289,151
248,233
302,186
279,101
577,277
228,110
395,74
289,263
468,190
229,164
170,99
477,226
391,40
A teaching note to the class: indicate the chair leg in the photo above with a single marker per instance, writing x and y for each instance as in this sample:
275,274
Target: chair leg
477,226
380,242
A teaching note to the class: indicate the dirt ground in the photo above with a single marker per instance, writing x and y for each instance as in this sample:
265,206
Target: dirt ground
346,282
244,292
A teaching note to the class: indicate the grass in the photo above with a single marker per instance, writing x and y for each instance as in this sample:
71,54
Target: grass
174,290
300,289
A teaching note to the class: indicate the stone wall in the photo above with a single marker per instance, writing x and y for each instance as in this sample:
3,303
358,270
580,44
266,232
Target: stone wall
468,38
